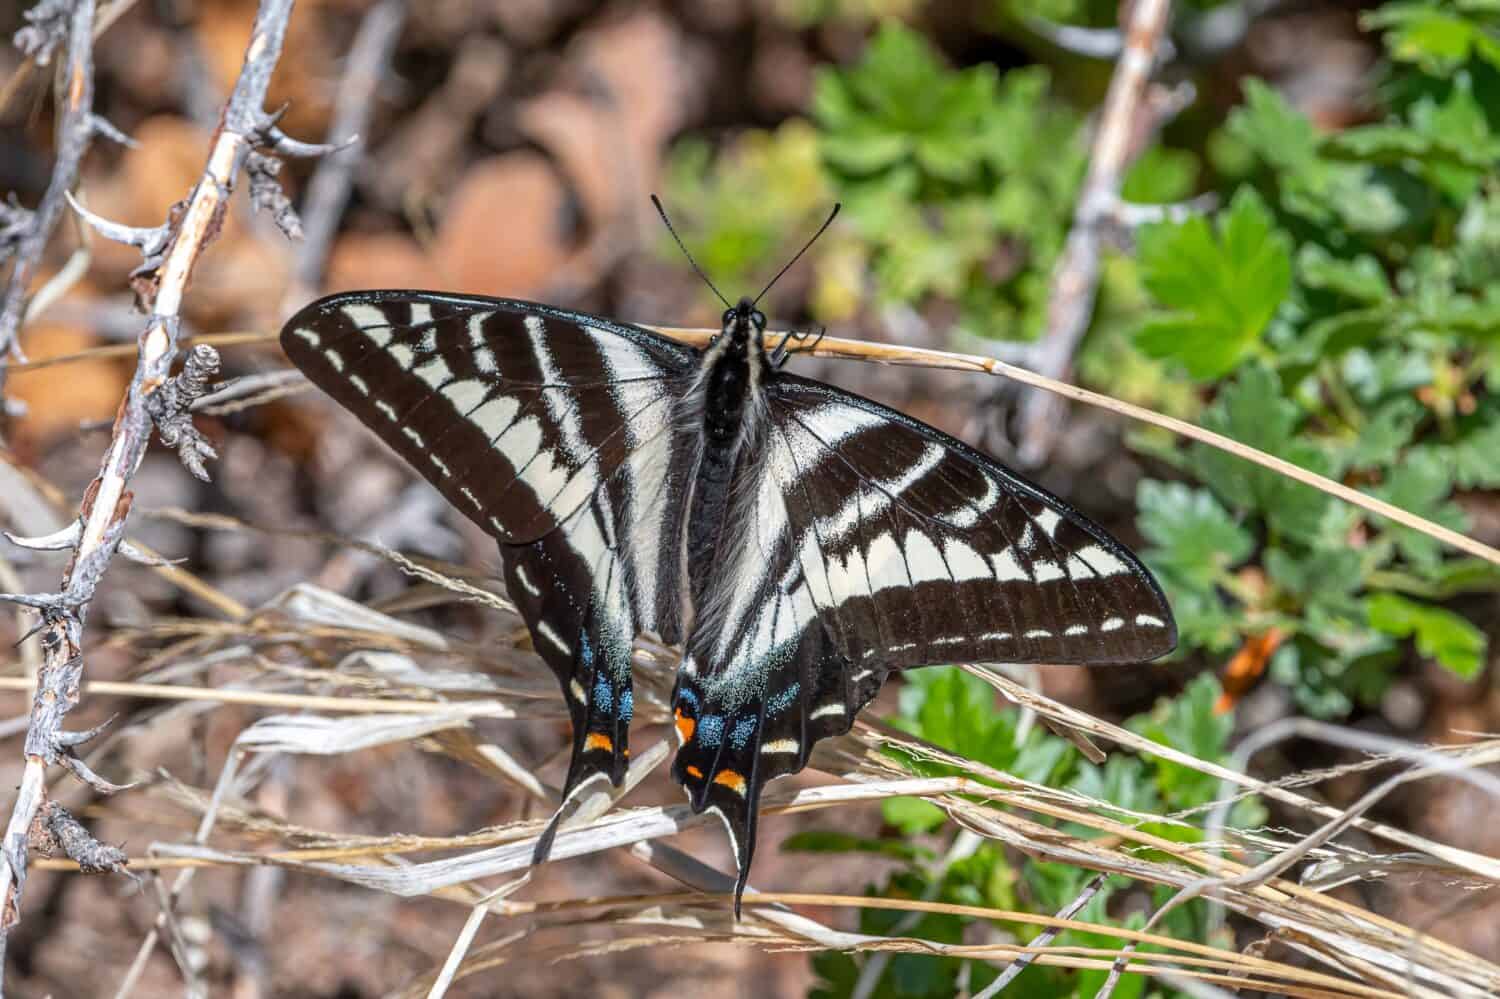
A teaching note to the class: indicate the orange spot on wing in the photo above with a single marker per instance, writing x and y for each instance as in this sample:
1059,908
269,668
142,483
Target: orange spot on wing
694,772
685,726
598,741
731,779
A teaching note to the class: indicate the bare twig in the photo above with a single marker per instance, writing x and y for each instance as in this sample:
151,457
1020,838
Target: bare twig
1075,280
171,409
28,232
245,128
107,16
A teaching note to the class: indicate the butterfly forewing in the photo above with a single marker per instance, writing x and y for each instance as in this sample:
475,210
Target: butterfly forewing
919,550
515,412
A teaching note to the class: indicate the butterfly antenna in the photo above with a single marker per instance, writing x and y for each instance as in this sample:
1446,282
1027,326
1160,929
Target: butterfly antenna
683,247
821,229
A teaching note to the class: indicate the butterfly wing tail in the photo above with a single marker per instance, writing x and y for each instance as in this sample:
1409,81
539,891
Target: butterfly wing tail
718,764
731,747
584,635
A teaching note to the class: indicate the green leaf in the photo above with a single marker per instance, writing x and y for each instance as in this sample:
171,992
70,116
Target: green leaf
1190,532
1187,723
1421,485
1161,176
1474,458
1360,279
959,712
1221,292
1455,643
1308,184
1252,410
913,816
830,841
900,102
1387,433
1439,40
1122,781
1326,577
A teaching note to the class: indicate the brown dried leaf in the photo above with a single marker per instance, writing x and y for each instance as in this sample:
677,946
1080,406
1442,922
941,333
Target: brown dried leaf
61,397
379,260
504,232
610,136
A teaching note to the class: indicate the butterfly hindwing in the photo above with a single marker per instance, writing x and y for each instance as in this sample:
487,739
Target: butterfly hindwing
745,720
580,616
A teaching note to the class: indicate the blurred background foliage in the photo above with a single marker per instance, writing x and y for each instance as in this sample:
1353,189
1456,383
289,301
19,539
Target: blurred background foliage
1340,308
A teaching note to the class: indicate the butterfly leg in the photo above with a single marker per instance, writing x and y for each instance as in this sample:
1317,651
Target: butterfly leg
781,352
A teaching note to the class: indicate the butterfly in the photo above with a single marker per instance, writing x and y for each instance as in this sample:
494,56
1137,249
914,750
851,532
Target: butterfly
798,542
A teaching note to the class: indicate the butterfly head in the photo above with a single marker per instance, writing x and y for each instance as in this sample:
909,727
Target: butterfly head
744,324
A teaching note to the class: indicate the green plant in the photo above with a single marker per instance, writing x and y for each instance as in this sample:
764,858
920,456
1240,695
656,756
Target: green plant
1345,319
946,203
958,711
1341,310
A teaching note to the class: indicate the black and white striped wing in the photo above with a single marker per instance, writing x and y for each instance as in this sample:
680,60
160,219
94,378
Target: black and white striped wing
516,412
916,549
873,543
553,432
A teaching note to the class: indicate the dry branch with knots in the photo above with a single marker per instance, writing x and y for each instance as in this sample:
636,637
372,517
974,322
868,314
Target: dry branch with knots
249,140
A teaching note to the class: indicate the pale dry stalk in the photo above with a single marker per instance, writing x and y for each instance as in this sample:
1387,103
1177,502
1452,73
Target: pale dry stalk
246,139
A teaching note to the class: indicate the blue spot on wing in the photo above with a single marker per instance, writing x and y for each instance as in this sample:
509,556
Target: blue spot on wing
604,695
779,703
627,706
710,730
739,736
688,696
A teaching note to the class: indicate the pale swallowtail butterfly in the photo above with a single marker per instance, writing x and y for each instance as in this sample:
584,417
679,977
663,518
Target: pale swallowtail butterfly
798,541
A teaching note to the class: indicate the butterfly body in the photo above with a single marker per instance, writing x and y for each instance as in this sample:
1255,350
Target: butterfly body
721,410
798,542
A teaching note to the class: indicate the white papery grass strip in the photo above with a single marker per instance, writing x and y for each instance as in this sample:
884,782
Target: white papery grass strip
592,800
240,694
508,767
466,936
318,735
1474,863
1019,788
620,829
399,668
695,924
1352,935
448,577
311,604
694,873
